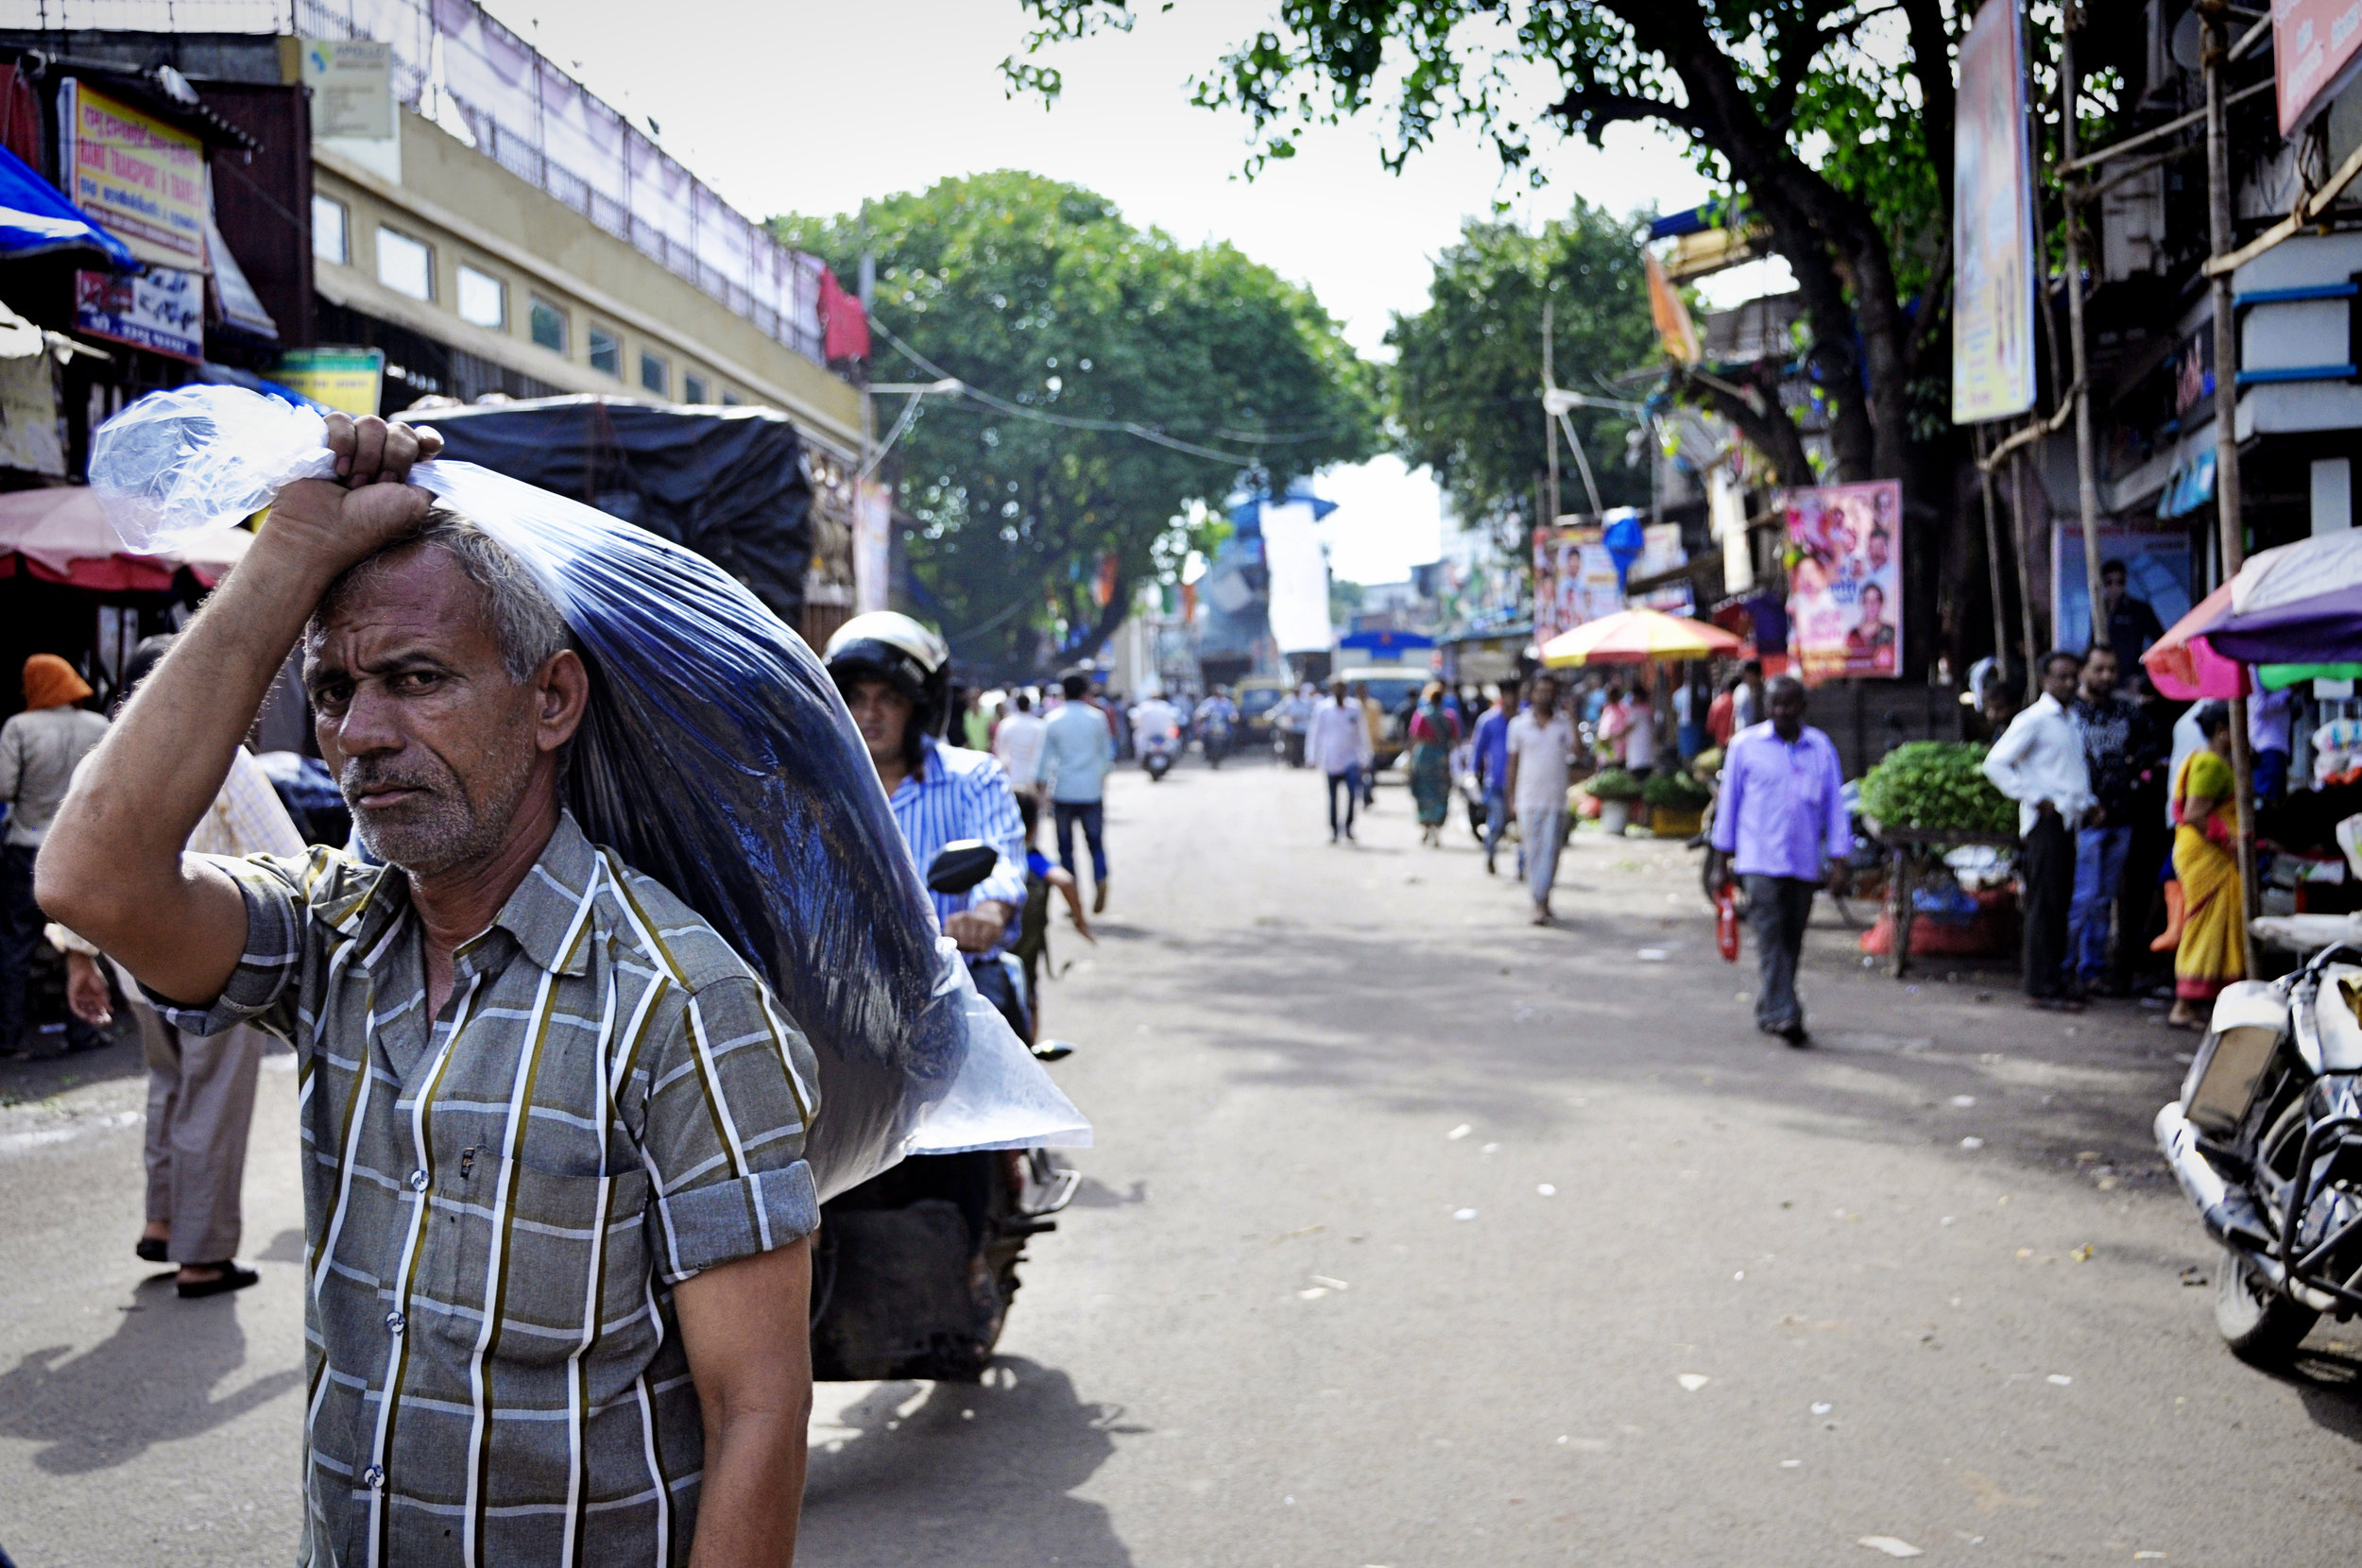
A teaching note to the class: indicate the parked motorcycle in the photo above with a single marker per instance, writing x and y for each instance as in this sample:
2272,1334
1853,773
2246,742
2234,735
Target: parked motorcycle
913,1271
2266,1141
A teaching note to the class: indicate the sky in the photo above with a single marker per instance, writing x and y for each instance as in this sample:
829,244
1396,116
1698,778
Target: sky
811,107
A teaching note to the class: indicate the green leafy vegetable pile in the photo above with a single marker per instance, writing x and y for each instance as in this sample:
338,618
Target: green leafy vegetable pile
1676,792
1613,784
1936,786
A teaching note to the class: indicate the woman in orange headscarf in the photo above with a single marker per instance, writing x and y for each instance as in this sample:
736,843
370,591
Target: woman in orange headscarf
38,750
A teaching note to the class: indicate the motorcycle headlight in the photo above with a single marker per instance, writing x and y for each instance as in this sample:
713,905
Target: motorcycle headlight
2222,1082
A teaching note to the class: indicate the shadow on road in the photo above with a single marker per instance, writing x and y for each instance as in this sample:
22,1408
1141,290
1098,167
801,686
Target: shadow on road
152,1382
2330,1385
978,1474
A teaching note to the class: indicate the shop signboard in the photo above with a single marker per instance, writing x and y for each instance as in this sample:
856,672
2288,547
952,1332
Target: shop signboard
2156,572
162,310
2314,45
1845,578
1993,275
345,379
137,176
1575,580
1661,551
352,87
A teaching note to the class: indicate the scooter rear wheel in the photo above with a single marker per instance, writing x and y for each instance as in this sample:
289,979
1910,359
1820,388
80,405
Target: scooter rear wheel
2262,1326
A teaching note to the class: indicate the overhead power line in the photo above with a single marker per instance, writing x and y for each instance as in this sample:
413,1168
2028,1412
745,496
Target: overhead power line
1120,427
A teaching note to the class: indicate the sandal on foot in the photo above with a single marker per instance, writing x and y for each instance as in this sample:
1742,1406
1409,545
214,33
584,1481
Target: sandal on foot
231,1278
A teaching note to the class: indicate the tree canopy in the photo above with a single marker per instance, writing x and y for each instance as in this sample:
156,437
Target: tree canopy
1834,117
1125,376
1469,368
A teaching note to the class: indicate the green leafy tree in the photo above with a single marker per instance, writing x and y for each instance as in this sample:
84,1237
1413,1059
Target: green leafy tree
1125,377
1467,375
1833,117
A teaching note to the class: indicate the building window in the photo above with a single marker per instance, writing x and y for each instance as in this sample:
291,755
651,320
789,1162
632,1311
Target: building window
655,374
549,326
331,233
483,298
693,389
607,351
731,399
404,265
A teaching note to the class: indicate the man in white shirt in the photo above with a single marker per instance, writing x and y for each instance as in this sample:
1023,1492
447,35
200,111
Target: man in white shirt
1338,743
2038,764
1018,742
1541,756
1639,732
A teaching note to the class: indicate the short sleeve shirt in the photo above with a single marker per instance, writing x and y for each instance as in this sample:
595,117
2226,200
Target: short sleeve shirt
1545,754
499,1202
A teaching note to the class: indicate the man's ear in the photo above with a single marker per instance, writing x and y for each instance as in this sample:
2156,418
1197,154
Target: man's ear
561,689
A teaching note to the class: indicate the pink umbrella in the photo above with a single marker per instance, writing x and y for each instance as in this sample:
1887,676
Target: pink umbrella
2183,665
63,537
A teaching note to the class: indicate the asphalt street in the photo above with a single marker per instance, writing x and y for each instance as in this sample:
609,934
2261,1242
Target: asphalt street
1412,1236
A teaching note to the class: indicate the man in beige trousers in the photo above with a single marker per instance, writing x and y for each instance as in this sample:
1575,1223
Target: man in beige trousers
200,1089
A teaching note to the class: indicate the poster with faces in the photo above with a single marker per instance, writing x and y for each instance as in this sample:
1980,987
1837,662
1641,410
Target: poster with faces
1845,579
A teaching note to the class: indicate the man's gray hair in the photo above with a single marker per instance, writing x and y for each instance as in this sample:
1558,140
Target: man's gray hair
525,624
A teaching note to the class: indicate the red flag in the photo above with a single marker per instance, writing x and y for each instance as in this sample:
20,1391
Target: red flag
843,325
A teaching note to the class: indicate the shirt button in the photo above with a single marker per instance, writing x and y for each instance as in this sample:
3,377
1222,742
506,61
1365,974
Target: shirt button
417,1181
395,1320
373,1477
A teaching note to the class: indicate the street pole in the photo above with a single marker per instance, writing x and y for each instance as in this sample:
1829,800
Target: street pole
1992,554
1549,430
2224,238
2021,533
2086,475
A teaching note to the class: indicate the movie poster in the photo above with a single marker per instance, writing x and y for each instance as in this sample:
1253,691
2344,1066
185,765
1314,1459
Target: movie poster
1574,581
1994,267
1845,579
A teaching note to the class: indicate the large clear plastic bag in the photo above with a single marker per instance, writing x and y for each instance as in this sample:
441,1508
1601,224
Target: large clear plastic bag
717,758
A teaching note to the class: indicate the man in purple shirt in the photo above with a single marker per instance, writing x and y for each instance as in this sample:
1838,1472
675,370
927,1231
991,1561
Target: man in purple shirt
1781,827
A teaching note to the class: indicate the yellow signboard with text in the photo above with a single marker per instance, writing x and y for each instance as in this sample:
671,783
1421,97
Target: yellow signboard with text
137,176
344,379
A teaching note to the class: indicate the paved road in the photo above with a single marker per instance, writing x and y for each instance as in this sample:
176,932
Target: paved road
1300,1315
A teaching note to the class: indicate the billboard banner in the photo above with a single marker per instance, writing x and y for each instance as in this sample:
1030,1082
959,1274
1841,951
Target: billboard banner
1845,579
162,310
347,378
1663,551
1993,228
2314,43
1574,580
136,175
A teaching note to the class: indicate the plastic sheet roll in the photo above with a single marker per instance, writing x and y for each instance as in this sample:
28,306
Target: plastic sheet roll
717,758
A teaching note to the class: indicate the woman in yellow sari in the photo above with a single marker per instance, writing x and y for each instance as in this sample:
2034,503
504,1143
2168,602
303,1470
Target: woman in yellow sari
2210,955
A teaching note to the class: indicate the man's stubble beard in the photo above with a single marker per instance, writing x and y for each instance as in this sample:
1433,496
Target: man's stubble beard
439,827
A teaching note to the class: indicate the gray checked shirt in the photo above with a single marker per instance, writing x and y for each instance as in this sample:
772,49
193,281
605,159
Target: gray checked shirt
497,1201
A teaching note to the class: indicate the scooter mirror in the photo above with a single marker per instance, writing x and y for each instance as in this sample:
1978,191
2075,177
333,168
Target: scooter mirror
960,865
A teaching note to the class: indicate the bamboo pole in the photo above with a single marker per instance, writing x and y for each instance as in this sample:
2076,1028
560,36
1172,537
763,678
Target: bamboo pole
1993,554
2224,238
2022,531
2086,474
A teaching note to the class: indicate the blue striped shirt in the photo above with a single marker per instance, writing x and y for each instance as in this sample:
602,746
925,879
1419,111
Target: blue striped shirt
958,793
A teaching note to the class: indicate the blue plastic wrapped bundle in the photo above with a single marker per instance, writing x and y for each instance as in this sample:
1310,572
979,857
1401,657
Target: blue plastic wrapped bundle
717,758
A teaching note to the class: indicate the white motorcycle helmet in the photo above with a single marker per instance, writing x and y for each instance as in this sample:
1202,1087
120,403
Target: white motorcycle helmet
890,646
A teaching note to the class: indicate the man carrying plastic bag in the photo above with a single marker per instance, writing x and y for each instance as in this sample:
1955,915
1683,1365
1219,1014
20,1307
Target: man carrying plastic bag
556,1206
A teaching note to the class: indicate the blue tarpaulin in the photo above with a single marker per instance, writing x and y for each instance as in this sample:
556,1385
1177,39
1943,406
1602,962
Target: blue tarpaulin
34,218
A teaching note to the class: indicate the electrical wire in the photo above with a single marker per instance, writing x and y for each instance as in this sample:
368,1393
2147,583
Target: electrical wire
1122,427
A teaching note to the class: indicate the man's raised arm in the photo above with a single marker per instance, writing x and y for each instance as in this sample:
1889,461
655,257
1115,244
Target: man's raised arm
111,868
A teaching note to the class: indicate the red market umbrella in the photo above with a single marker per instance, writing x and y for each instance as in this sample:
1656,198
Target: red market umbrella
61,535
2184,665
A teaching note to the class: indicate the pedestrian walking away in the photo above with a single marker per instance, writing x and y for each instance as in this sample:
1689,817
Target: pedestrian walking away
559,1285
1078,748
39,751
200,1088
1019,744
1541,744
2118,748
1492,769
1337,742
2038,764
1433,732
1780,827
